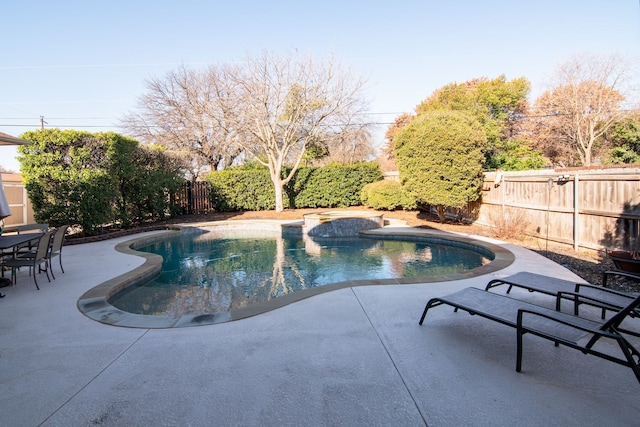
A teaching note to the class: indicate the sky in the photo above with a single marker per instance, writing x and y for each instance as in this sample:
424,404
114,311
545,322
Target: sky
83,65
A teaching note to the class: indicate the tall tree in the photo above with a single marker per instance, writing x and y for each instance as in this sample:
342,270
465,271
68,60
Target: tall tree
278,110
585,100
498,104
440,157
186,112
347,147
286,104
623,139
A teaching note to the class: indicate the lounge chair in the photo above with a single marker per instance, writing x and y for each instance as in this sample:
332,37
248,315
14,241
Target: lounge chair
598,296
562,328
32,260
625,274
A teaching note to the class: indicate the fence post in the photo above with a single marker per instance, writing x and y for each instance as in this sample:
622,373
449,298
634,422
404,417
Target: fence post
576,212
190,197
503,196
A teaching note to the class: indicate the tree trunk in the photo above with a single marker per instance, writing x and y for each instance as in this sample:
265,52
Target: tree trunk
277,184
441,209
587,156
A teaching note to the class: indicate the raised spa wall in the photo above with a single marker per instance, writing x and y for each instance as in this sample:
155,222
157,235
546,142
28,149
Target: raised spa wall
331,224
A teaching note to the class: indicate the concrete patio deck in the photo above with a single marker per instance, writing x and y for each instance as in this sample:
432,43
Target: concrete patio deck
354,356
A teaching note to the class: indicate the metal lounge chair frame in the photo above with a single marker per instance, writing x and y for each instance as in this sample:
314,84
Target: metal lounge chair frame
561,328
597,296
625,274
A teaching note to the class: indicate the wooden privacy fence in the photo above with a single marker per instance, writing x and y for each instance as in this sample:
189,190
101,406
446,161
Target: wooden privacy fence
586,208
194,198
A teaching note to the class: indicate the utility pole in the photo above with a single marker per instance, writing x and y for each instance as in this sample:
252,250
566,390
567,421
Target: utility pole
42,122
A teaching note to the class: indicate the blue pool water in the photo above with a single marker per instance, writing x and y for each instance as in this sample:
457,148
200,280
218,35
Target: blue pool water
206,273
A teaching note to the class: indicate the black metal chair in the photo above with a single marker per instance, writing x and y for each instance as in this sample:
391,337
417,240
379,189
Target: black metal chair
28,229
33,260
57,242
33,228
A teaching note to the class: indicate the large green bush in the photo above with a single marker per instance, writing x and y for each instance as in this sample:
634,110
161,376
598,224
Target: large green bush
440,157
93,180
387,195
251,189
145,178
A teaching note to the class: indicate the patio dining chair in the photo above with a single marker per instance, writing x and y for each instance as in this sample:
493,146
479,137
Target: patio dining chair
31,228
33,260
56,246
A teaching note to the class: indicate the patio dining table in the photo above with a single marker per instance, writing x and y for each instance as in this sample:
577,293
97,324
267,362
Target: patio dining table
13,241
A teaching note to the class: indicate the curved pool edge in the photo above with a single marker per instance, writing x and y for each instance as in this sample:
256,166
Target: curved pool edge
94,305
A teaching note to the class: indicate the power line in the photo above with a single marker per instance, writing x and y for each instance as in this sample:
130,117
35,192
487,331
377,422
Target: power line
118,127
62,126
116,65
58,118
36,121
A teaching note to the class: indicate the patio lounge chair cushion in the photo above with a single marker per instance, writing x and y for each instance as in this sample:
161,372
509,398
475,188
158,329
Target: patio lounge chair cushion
562,328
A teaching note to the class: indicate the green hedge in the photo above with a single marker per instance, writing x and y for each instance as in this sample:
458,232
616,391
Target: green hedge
387,195
333,186
241,189
96,179
251,189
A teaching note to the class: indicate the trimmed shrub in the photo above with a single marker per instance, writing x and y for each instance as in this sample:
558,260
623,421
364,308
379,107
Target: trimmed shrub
242,189
440,157
387,195
251,189
332,186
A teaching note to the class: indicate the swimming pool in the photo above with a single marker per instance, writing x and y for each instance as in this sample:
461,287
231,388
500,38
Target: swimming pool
209,285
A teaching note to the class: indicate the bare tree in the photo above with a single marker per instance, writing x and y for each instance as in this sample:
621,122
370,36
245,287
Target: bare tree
285,105
347,147
585,100
387,157
185,112
270,108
